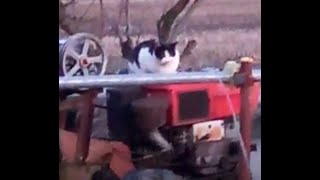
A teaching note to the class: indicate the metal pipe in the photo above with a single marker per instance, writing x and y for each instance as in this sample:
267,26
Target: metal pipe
85,126
246,118
144,79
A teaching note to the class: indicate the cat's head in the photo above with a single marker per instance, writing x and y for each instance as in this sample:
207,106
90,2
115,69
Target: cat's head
166,53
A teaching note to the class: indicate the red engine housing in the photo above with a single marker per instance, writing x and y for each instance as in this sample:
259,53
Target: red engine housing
195,102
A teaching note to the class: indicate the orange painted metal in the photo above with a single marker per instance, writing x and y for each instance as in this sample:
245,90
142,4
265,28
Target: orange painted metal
101,152
78,149
246,114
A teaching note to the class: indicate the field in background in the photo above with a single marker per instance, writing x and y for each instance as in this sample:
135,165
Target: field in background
224,29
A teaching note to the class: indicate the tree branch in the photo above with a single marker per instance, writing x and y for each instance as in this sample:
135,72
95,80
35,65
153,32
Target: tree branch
188,49
170,22
138,37
182,20
67,3
101,18
127,20
166,21
126,45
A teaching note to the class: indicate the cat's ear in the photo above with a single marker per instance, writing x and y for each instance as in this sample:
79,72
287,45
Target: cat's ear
174,44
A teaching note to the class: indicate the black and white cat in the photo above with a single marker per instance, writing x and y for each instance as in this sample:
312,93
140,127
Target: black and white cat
152,57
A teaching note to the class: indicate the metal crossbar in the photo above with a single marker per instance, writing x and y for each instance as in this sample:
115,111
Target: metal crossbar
144,79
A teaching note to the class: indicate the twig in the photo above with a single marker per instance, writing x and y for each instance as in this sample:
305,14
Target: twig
138,37
117,26
127,20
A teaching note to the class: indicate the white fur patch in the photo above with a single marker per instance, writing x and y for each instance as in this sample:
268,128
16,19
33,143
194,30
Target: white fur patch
150,64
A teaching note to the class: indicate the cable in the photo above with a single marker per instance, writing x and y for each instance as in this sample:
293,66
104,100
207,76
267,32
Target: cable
243,148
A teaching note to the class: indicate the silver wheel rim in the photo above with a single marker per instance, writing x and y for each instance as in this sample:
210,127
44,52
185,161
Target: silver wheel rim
83,55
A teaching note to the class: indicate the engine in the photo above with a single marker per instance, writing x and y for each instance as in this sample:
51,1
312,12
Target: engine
187,126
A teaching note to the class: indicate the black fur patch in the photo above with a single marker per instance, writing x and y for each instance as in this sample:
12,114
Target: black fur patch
171,48
135,54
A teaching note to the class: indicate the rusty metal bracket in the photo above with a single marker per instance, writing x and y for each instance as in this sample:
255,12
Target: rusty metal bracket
83,103
244,77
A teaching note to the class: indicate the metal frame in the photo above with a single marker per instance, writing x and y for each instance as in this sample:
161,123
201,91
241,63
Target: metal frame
244,79
143,79
83,103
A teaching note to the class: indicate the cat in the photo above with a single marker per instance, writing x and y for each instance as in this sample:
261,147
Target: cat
152,57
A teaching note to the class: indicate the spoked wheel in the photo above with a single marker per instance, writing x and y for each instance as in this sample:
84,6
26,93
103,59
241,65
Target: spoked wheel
82,54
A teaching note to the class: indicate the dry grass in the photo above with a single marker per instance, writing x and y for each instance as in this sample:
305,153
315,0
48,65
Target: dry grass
224,29
214,46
